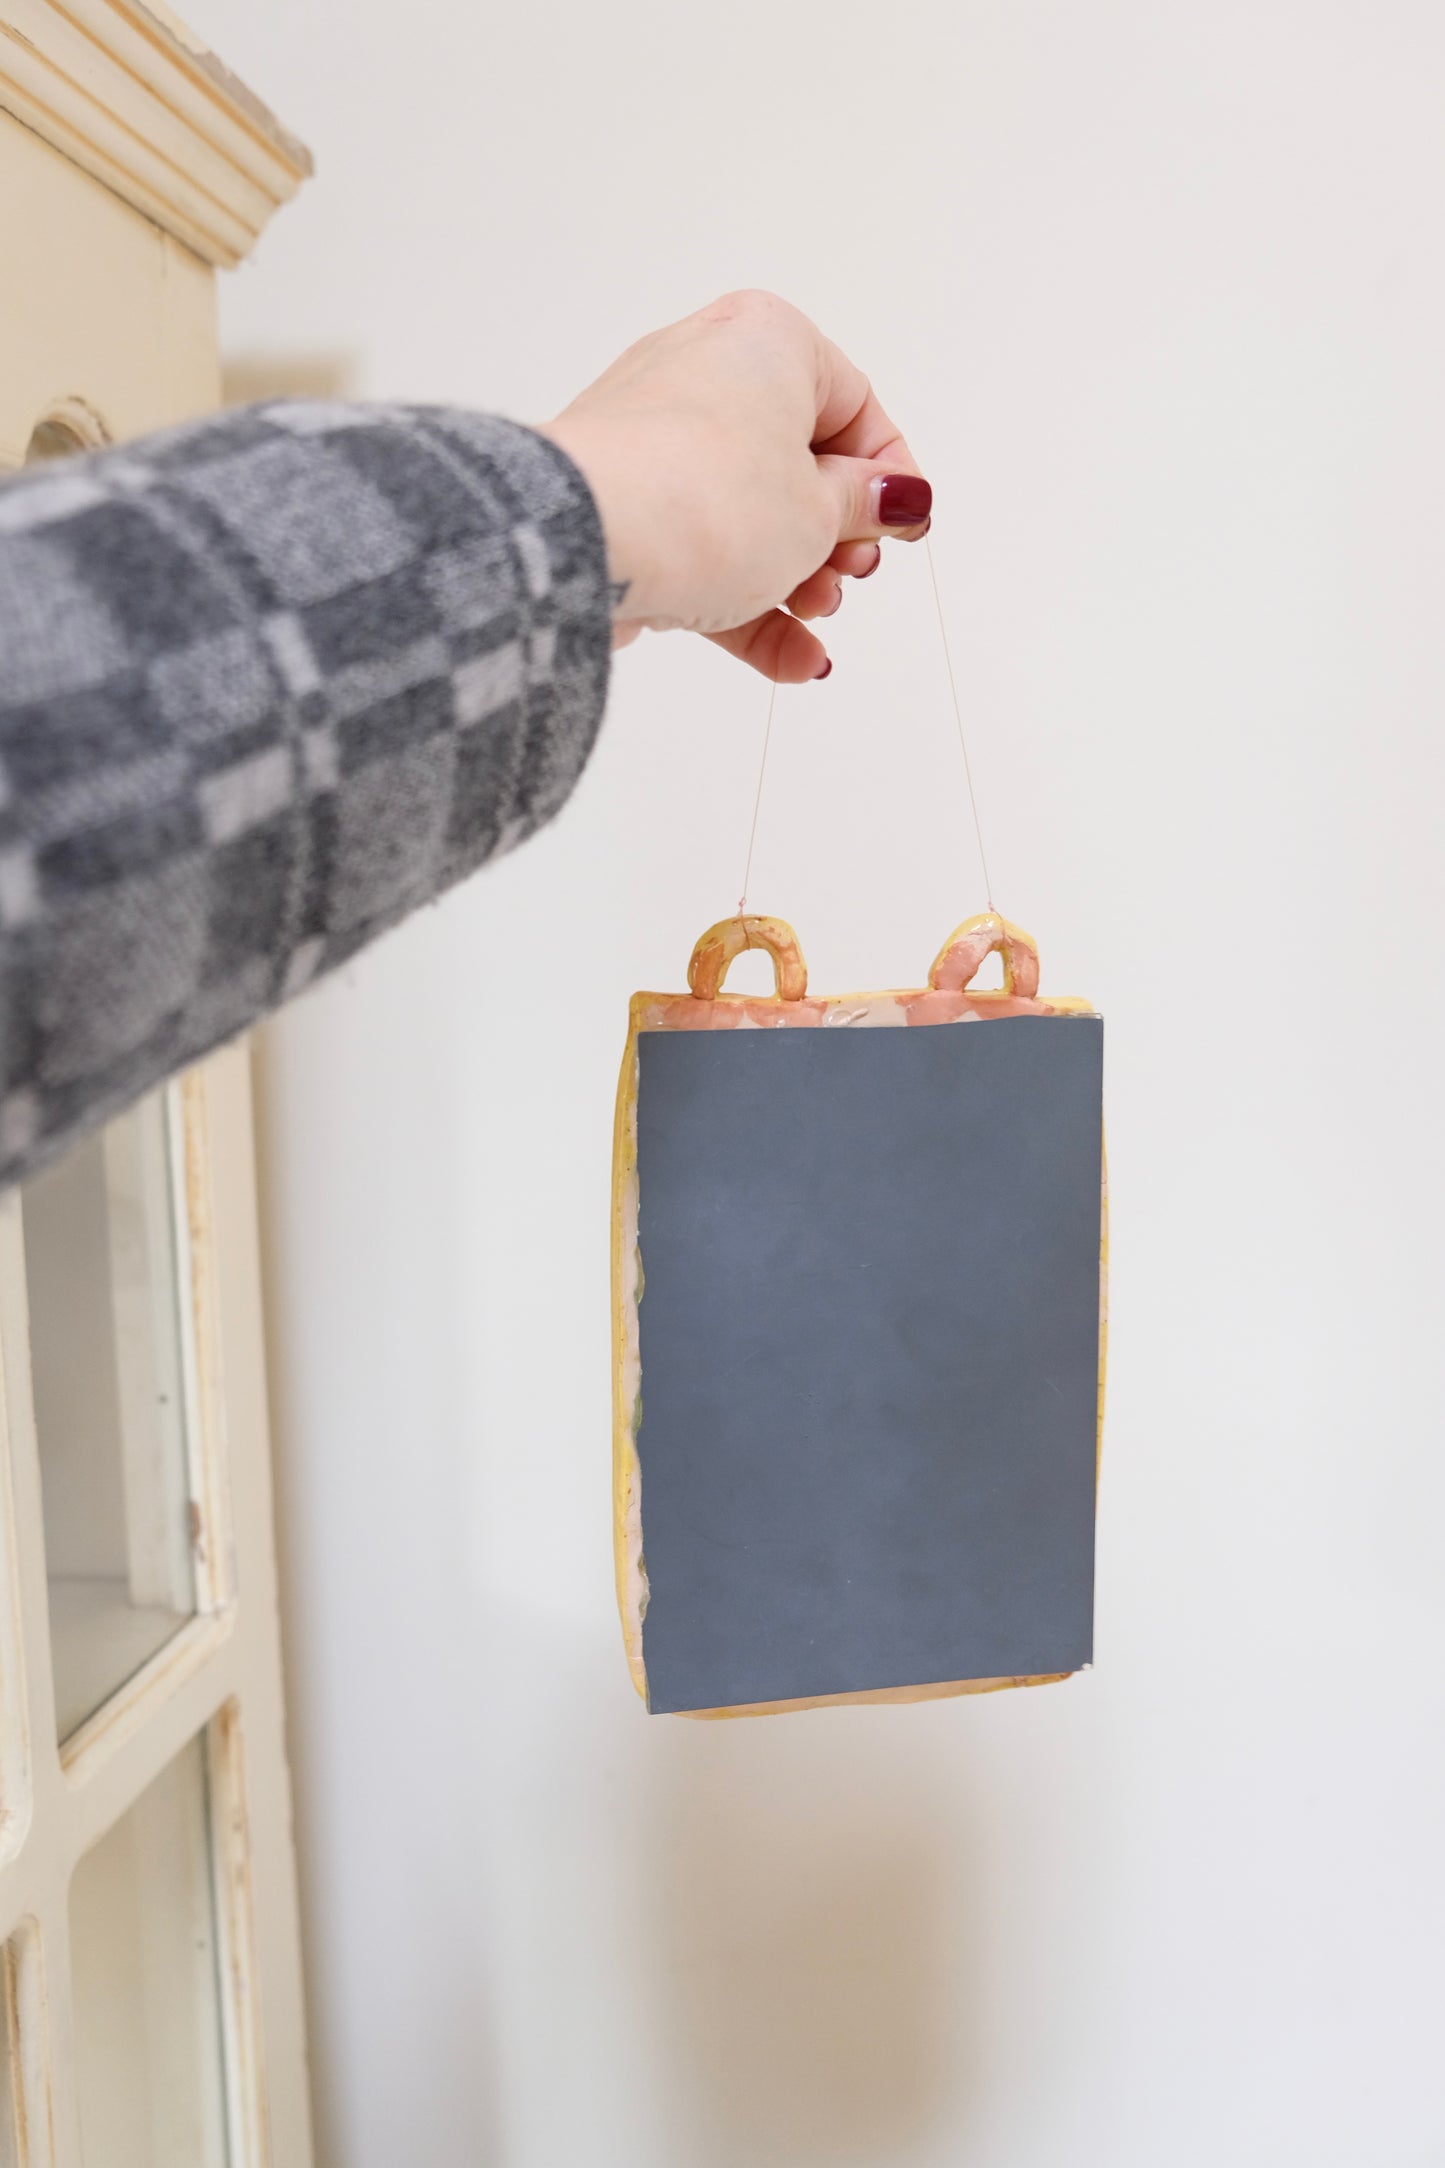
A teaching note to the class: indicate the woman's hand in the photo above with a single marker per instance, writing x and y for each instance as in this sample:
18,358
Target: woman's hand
742,467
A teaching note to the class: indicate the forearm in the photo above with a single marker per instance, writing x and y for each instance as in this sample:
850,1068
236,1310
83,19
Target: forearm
267,683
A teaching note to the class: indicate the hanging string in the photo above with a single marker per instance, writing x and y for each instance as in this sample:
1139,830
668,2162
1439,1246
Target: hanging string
757,801
958,718
962,746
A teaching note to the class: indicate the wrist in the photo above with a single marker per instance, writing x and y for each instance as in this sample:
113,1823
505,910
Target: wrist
590,457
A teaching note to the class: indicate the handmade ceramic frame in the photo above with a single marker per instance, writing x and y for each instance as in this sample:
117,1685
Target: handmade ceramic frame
946,999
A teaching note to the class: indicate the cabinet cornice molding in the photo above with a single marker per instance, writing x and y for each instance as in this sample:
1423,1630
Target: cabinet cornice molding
133,96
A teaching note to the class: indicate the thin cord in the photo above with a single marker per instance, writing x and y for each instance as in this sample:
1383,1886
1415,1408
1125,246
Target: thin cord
757,802
962,746
958,718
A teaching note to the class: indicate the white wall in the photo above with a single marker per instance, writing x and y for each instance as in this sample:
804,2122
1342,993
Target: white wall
1158,292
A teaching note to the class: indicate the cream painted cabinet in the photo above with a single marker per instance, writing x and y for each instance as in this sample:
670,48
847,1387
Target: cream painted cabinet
150,1989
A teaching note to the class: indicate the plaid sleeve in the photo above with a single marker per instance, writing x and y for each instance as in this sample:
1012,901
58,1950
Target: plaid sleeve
267,682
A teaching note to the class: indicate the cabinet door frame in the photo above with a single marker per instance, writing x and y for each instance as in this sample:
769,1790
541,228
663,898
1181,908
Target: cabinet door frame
217,1678
136,164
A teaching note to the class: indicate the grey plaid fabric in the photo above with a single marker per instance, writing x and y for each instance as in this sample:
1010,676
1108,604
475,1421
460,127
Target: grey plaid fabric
267,682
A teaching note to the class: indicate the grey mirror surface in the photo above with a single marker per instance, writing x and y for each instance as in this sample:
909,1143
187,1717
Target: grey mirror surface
869,1335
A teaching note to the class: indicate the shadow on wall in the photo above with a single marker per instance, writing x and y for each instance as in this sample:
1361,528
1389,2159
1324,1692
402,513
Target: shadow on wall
804,1921
379,1633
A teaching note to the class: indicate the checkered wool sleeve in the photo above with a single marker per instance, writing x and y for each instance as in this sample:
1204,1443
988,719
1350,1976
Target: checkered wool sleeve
267,682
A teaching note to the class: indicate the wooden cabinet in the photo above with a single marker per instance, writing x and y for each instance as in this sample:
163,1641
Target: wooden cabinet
150,1988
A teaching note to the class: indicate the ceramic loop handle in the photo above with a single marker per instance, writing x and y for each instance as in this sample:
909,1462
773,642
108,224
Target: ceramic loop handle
721,943
967,946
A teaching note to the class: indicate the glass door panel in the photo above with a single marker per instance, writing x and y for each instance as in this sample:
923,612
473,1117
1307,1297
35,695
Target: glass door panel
146,1982
108,1344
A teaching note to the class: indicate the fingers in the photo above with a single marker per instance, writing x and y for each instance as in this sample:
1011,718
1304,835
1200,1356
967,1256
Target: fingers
822,592
873,501
859,560
778,646
817,596
852,420
766,644
852,426
860,451
864,456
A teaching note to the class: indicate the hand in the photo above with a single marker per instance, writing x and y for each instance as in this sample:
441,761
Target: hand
742,468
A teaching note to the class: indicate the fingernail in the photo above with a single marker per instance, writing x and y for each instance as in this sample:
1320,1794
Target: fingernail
904,500
825,671
837,602
877,561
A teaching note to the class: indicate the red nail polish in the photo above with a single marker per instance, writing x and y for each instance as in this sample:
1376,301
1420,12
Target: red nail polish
826,670
877,561
904,500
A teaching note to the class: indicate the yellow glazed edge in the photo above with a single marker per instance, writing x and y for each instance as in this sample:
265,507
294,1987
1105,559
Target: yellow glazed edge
645,1013
631,1573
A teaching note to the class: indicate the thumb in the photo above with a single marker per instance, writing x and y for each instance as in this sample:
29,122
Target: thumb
876,497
